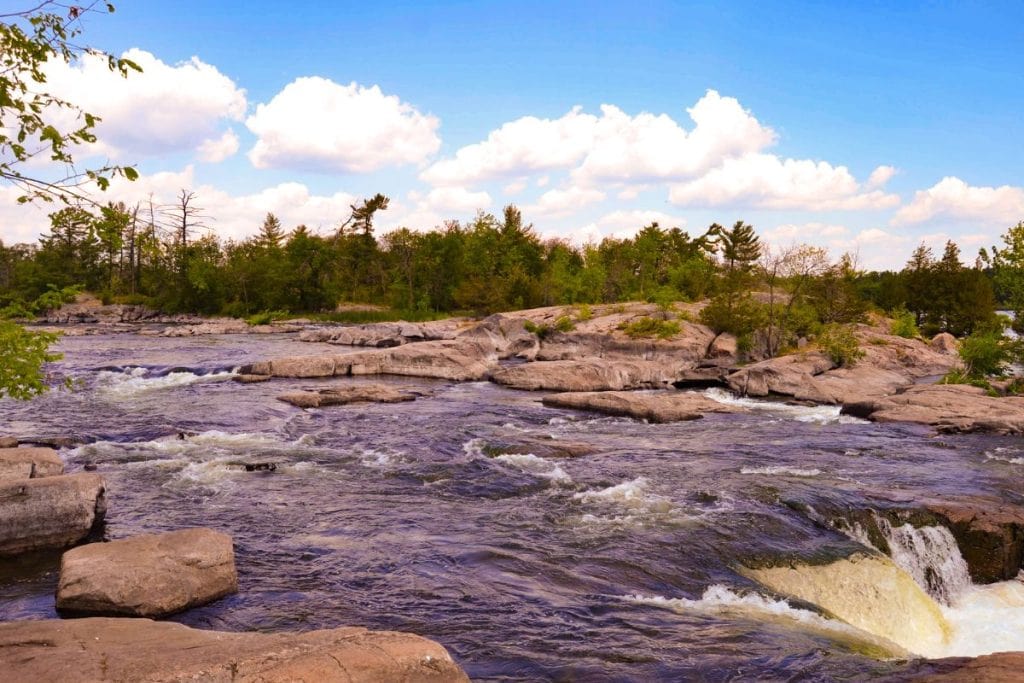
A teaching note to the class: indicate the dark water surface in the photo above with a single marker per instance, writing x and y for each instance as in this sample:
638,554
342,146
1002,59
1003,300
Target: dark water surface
527,566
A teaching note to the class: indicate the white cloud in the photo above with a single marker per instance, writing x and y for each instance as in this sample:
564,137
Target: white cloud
953,198
452,199
806,232
562,202
624,223
161,110
766,181
216,150
514,187
612,147
316,124
880,176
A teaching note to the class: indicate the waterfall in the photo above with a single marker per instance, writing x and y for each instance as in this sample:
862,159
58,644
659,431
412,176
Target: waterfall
930,555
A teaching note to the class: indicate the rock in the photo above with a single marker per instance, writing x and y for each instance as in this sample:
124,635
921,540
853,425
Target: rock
252,379
1001,667
785,375
688,347
702,377
107,649
989,533
337,396
868,592
955,408
51,512
8,442
260,467
723,346
152,575
587,374
384,335
29,463
53,441
945,343
659,406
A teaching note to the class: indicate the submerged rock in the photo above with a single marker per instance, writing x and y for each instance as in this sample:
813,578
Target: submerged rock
337,396
868,592
661,406
50,512
29,463
152,575
109,649
948,407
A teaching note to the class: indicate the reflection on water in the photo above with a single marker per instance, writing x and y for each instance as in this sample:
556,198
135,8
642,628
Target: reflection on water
456,517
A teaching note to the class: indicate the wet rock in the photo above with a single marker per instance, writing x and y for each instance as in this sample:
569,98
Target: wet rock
52,441
542,448
990,535
108,649
945,343
252,379
950,408
870,593
50,512
1001,667
702,377
588,374
29,463
660,406
260,467
152,575
337,396
8,442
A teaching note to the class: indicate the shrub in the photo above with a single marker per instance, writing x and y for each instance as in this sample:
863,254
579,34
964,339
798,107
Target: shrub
904,324
840,344
650,327
265,317
961,377
584,312
565,324
743,317
986,354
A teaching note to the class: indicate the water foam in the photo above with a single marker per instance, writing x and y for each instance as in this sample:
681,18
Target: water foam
931,556
132,381
530,463
821,414
781,470
988,619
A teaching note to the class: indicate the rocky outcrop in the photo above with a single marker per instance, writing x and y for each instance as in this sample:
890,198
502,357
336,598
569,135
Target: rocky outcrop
1002,667
385,335
658,406
51,512
955,408
107,649
870,593
687,347
29,463
228,326
587,374
785,375
724,345
339,396
153,575
945,343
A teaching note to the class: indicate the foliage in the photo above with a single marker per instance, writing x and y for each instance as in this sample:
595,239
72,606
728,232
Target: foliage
24,352
584,312
987,353
739,315
651,327
1007,263
265,317
30,117
840,344
904,324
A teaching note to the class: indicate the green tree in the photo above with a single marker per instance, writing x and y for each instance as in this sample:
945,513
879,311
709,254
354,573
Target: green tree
1007,263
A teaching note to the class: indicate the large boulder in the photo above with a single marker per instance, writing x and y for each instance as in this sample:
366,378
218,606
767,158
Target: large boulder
955,408
339,396
945,343
152,575
29,463
106,649
785,375
49,512
658,406
587,374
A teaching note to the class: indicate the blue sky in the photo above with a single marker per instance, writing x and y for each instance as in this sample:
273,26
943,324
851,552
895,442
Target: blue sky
858,126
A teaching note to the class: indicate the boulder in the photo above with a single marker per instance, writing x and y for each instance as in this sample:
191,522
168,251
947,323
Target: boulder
785,375
951,408
338,396
989,533
724,345
152,575
8,442
587,374
658,406
29,463
252,379
1001,667
945,343
110,649
49,512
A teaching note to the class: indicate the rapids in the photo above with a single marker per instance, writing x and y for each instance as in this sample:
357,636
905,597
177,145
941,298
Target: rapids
457,517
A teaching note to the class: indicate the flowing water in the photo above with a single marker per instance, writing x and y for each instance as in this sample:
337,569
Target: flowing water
458,516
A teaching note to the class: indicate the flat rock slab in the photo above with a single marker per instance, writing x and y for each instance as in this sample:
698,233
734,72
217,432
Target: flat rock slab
17,464
148,576
339,396
106,649
658,406
587,374
49,512
955,408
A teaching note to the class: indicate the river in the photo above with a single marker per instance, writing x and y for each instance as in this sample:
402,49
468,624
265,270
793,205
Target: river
454,516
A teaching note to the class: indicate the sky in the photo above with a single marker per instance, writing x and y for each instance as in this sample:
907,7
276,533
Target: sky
866,127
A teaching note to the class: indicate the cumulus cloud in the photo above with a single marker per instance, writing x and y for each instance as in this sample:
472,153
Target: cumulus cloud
952,198
612,147
766,181
624,223
164,109
318,125
451,199
880,176
565,201
216,150
811,232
